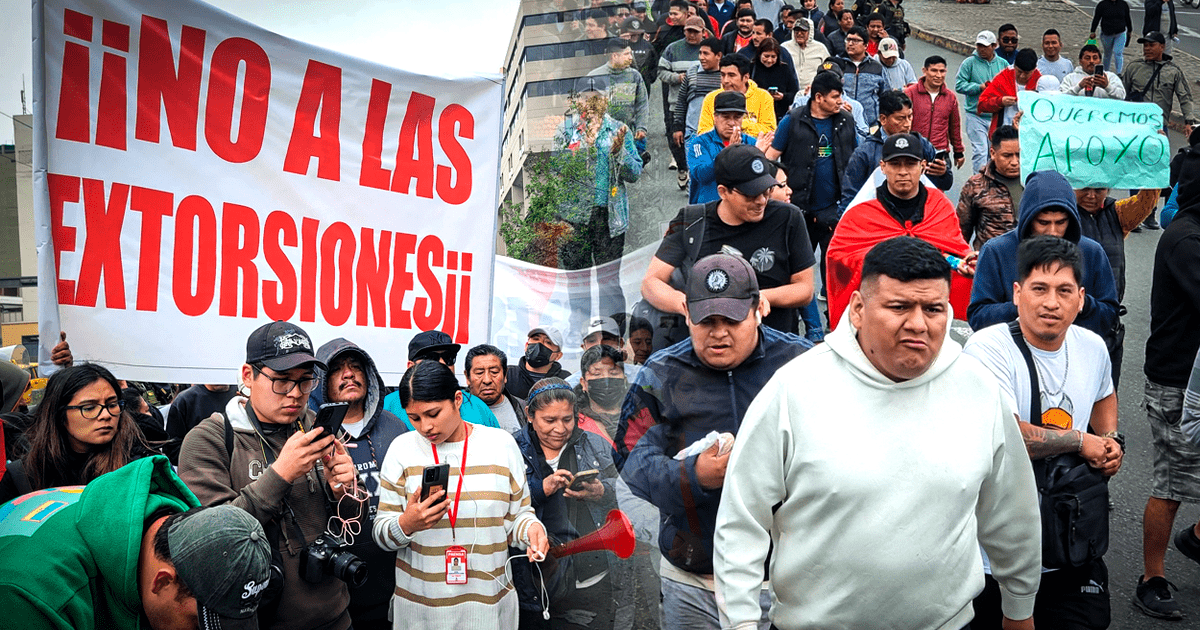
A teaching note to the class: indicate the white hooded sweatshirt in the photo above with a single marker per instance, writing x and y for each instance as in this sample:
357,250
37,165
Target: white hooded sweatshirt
885,491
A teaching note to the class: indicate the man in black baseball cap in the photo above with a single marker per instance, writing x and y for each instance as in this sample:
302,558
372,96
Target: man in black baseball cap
902,206
435,345
683,393
633,30
265,456
702,150
769,234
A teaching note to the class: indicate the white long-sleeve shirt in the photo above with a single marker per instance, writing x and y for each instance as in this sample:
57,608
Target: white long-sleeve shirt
884,491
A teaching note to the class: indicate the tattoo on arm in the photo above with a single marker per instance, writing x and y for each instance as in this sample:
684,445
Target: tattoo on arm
1041,442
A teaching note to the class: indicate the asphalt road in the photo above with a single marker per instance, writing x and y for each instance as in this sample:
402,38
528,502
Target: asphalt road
1131,486
1186,16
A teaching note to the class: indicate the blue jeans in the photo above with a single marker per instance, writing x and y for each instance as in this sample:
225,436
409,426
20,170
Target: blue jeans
1114,51
977,133
687,607
814,330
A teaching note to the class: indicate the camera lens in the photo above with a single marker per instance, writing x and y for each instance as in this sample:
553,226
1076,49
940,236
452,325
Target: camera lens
346,567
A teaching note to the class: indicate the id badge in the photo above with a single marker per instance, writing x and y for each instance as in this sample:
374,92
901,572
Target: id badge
456,565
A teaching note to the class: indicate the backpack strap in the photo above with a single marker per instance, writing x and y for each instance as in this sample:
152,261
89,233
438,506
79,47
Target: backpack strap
1035,396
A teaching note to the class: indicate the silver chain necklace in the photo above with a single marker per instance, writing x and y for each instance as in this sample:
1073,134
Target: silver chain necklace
1066,369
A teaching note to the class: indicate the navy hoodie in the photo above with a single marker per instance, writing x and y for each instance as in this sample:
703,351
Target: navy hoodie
371,600
996,271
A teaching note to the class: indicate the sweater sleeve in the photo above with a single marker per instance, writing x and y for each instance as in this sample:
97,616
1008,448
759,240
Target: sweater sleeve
1009,519
963,83
204,466
679,108
1131,211
520,509
991,301
393,499
641,106
755,482
1096,15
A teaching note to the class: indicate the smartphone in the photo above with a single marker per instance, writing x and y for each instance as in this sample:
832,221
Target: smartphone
434,477
330,417
942,155
582,477
772,89
1099,70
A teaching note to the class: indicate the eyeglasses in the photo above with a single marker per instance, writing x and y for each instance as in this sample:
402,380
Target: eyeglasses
284,386
854,40
1009,40
91,411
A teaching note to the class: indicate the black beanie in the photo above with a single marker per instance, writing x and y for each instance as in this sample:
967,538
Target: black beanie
1026,60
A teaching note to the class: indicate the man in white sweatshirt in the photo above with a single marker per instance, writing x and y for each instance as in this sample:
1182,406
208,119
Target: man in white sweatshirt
876,465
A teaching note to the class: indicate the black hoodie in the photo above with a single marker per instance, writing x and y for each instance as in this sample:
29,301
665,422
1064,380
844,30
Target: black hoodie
1175,296
369,602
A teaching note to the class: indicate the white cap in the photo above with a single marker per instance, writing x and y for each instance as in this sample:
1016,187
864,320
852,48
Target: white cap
555,335
1049,83
985,38
889,48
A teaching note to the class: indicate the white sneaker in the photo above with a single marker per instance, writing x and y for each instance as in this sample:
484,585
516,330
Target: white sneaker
683,180
672,165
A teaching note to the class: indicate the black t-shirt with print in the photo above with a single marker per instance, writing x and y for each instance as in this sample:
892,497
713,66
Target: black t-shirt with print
777,247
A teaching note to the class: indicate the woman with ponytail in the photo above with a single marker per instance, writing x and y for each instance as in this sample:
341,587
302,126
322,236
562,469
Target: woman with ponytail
452,546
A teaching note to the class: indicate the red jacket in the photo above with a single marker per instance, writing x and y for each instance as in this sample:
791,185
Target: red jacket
868,224
1001,85
937,119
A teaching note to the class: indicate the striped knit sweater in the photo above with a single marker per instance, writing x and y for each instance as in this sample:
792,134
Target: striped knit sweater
494,512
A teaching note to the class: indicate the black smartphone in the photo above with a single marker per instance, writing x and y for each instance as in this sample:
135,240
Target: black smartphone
772,90
1099,70
434,477
942,155
330,417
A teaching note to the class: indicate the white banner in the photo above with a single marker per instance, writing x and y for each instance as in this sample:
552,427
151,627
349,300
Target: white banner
197,176
528,296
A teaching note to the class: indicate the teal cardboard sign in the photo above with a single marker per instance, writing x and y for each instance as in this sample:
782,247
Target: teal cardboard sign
1094,142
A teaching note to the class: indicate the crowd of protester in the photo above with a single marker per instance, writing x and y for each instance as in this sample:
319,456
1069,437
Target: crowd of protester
811,149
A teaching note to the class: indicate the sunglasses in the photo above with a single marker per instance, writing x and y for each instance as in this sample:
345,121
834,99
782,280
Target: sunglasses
1009,40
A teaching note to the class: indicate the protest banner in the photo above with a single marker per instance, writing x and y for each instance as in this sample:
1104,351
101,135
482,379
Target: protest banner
1094,142
527,296
197,176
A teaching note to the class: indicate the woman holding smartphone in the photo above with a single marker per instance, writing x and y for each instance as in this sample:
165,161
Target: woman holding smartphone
452,546
775,76
572,482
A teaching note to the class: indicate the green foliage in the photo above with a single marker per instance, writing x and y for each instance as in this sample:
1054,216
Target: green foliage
553,180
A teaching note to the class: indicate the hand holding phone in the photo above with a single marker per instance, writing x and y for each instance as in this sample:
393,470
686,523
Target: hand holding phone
330,417
434,478
583,477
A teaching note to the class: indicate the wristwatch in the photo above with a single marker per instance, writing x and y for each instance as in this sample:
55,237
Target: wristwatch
1118,437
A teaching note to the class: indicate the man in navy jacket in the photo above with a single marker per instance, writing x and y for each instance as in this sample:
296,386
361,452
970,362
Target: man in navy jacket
1047,207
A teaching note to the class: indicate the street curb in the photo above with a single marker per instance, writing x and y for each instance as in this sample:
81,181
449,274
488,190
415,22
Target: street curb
1176,121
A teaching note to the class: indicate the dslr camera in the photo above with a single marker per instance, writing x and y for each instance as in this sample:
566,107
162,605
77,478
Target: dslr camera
327,555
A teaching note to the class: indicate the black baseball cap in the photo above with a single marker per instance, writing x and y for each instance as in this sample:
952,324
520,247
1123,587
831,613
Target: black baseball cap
831,66
745,168
632,25
902,145
281,346
721,284
430,341
222,555
1153,36
726,102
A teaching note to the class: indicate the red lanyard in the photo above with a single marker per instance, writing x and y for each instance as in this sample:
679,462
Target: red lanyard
462,467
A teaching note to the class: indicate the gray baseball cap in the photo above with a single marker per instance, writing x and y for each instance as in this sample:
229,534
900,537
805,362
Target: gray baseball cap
721,284
222,555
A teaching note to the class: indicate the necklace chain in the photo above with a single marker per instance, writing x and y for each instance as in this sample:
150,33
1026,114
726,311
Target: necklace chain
1066,369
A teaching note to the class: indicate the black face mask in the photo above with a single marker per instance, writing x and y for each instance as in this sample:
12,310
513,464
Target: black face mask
607,392
537,355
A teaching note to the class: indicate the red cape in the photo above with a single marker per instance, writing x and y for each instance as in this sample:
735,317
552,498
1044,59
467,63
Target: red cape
867,224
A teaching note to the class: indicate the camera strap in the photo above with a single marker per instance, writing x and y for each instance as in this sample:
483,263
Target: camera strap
287,513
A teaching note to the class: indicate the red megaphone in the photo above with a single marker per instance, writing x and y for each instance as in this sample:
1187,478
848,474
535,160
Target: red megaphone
616,535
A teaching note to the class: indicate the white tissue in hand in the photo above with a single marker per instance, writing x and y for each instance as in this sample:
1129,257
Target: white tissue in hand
705,443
